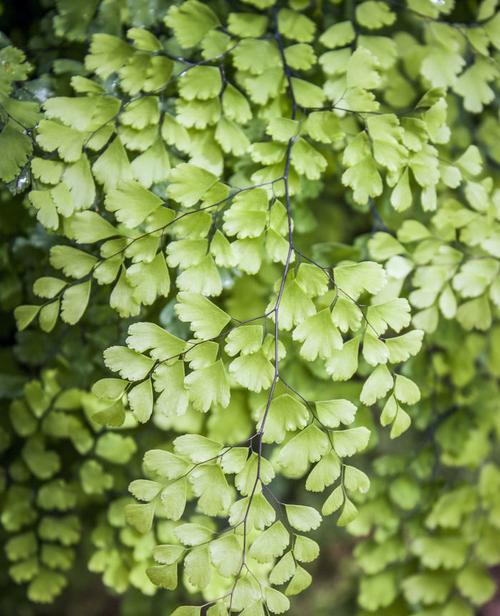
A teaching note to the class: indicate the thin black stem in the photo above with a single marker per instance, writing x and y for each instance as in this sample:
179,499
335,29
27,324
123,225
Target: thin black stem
276,309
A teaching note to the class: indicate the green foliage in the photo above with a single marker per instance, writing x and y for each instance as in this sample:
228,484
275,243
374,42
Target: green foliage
18,117
201,185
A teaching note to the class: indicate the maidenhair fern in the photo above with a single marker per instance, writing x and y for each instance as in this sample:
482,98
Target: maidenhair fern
278,223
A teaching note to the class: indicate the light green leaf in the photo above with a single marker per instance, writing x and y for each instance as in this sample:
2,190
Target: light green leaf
376,385
173,498
87,113
470,161
213,492
377,591
362,70
107,54
247,24
168,554
476,584
169,380
187,610
401,197
276,601
441,67
244,340
340,34
74,302
164,576
344,363
67,141
295,26
129,364
47,171
374,350
319,336
350,441
374,15
131,203
401,423
300,581
197,567
283,570
305,549
189,183
326,472
427,588
270,544
247,216
303,518
349,513
208,386
235,105
406,390
152,166
45,586
346,315
197,448
355,480
226,554
206,319
200,82
112,167
48,316
19,147
73,262
286,413
193,534
144,490
159,342
140,399
307,94
282,129
307,161
331,413
402,347
231,137
143,39
88,227
394,314
307,446
140,516
300,56
334,501
164,463
253,371
324,126
191,21
354,278
24,315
